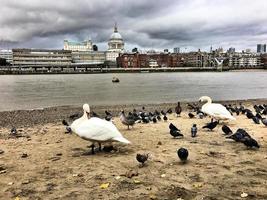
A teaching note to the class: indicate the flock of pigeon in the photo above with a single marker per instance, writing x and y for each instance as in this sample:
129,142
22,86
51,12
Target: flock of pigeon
96,130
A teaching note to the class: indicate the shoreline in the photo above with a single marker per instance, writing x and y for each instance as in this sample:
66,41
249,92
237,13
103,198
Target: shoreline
32,117
124,70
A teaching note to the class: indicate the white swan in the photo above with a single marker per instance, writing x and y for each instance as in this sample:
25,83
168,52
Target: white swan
96,129
215,110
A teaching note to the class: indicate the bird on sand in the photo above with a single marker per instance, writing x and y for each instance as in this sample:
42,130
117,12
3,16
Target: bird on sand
174,131
194,130
127,120
178,109
142,158
226,130
96,129
13,131
108,116
182,154
165,118
256,120
250,142
264,121
239,135
215,110
191,115
169,111
211,125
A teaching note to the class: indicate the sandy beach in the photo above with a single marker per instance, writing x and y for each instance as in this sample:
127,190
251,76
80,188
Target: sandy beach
46,163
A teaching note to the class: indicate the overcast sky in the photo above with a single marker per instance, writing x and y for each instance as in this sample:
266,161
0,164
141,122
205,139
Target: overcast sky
146,24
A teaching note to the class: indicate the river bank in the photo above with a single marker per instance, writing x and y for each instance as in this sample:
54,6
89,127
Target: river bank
84,70
45,163
26,118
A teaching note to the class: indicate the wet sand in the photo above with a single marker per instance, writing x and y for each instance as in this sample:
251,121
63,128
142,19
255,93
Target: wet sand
58,166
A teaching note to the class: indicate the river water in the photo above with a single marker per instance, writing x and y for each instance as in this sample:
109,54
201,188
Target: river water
39,91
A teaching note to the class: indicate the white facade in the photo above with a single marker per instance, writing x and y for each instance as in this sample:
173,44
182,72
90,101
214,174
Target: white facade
86,45
115,45
244,60
88,57
7,54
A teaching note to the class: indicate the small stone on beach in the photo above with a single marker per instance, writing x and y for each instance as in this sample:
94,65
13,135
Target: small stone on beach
24,155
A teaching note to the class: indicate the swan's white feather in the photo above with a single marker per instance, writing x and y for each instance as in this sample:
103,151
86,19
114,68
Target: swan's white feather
216,110
96,129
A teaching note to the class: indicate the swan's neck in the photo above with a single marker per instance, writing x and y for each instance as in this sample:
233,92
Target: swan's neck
84,117
208,102
78,121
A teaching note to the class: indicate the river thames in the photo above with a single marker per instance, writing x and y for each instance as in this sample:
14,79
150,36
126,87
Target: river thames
40,91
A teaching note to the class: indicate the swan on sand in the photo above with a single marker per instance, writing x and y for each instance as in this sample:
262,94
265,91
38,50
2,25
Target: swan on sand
96,129
215,110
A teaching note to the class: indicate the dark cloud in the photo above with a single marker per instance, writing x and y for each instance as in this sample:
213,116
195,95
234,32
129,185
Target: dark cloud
143,23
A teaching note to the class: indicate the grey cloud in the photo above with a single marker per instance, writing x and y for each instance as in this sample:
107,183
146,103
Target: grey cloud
143,23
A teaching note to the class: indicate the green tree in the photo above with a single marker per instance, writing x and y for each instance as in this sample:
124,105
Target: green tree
95,48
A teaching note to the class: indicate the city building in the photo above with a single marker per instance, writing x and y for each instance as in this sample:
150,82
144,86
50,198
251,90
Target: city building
7,55
115,45
41,57
244,60
86,45
261,48
264,60
88,57
176,50
154,60
231,50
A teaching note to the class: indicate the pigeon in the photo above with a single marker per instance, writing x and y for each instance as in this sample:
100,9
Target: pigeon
95,114
250,142
165,118
169,111
200,115
258,115
249,114
194,130
74,116
154,119
239,135
256,120
142,158
211,125
172,127
108,148
226,130
191,115
264,121
257,109
108,116
178,109
183,154
174,131
13,131
127,120
65,123
158,118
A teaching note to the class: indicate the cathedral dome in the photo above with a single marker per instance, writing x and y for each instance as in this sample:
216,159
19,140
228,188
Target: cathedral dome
116,36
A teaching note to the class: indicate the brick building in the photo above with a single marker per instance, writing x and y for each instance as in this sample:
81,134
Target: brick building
137,60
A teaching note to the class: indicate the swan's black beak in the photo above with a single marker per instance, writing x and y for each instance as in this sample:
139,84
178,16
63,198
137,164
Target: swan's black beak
88,114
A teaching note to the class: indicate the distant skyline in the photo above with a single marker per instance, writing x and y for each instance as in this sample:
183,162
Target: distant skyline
145,24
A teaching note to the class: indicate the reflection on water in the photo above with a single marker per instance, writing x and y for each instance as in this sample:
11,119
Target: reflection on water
35,91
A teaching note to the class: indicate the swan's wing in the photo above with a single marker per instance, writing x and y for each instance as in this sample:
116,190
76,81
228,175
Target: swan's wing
98,129
218,110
